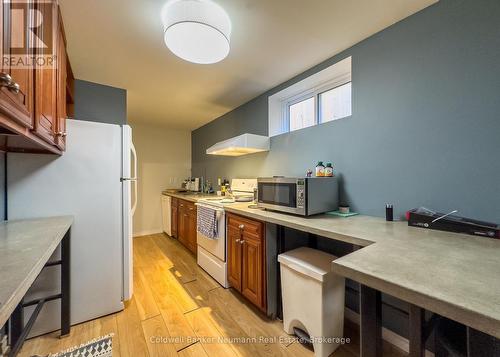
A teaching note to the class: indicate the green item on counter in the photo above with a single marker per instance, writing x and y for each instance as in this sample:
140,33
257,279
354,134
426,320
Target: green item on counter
320,169
340,214
329,170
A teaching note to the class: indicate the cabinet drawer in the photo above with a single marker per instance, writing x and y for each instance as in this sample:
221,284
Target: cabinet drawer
250,227
182,203
185,203
191,208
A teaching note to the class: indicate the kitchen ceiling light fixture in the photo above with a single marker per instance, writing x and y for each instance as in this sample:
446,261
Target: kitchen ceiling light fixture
197,31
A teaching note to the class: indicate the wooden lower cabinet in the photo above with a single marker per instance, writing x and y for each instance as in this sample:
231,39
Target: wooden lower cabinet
186,224
174,216
182,218
252,280
234,253
191,228
246,258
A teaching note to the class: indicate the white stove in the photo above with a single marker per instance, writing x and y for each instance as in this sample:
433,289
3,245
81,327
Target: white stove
212,253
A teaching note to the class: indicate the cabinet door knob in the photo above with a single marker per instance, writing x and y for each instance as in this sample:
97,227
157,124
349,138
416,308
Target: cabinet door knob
14,87
191,208
5,79
61,133
237,240
242,226
242,241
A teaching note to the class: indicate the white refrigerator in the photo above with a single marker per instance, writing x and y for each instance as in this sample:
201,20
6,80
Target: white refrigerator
95,181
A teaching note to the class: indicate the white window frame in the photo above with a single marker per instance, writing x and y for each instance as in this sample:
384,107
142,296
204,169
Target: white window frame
279,103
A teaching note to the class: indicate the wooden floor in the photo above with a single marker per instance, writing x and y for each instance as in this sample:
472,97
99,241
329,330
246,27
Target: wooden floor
179,310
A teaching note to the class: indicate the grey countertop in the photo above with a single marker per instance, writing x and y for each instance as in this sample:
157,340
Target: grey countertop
454,275
188,196
25,247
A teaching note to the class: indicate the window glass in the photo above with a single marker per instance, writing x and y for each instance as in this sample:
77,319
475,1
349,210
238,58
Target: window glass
301,114
335,103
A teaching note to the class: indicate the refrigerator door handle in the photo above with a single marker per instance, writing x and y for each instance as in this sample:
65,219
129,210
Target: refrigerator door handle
134,179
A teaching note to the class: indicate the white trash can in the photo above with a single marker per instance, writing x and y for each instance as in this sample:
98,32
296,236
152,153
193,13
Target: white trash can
313,297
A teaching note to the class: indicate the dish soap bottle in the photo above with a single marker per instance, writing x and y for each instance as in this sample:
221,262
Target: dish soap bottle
329,170
320,169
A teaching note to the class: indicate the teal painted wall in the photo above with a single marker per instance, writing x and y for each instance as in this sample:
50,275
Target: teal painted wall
100,103
425,129
425,126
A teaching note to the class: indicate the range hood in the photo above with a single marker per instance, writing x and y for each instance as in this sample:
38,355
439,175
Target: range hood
240,145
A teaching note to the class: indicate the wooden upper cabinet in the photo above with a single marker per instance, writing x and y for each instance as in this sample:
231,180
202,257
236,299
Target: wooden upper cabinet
62,61
34,82
17,82
46,75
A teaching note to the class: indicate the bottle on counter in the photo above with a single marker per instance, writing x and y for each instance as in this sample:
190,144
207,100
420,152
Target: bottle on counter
320,169
329,170
209,187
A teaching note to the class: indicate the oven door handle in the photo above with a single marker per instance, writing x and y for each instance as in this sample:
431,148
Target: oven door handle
210,207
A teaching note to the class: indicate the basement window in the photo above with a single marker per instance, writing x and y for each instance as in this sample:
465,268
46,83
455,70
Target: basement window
302,113
322,97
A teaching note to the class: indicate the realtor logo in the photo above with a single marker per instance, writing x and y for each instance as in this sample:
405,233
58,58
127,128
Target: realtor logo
28,33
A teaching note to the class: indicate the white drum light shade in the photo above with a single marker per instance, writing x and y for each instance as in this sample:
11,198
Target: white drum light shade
197,31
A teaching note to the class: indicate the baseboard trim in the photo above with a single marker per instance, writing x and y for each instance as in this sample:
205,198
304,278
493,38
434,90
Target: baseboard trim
389,336
147,232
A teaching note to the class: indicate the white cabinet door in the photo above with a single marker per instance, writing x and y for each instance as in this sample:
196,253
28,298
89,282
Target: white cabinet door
166,202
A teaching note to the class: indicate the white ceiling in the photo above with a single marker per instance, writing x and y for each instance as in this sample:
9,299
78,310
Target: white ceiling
120,43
